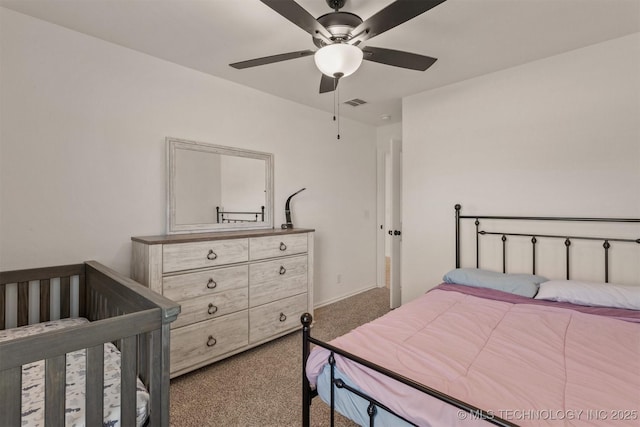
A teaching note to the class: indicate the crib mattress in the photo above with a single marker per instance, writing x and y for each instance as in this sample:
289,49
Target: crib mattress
33,381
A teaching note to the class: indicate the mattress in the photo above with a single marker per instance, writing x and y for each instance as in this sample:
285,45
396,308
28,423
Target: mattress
33,381
529,362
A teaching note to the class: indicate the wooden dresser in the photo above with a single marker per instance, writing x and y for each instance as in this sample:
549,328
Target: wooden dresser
237,289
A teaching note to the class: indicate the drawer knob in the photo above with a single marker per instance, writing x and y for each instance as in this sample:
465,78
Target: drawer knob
211,284
282,270
212,309
283,317
211,341
211,255
283,247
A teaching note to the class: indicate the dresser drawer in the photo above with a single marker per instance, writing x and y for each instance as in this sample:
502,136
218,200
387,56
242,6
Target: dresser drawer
211,306
276,317
192,285
187,256
202,341
276,246
277,279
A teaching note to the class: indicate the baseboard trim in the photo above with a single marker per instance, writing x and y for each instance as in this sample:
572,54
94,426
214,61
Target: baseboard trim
340,298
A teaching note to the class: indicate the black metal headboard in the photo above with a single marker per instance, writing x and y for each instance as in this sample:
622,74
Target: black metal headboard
606,241
223,216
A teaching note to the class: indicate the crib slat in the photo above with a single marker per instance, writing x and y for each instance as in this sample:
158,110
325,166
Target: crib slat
128,380
2,307
95,386
65,297
144,368
23,303
156,380
10,396
54,390
82,296
159,378
45,309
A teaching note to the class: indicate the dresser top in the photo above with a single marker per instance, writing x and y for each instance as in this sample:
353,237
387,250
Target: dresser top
217,235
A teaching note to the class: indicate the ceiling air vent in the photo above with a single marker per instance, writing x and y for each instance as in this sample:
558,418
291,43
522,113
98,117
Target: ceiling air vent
355,102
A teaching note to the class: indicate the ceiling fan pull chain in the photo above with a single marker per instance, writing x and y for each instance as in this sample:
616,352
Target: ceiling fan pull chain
338,109
334,100
336,103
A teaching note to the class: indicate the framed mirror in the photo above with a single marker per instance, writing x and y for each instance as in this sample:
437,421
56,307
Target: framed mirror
215,188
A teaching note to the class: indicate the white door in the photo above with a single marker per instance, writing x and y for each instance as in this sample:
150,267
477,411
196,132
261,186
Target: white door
394,227
388,216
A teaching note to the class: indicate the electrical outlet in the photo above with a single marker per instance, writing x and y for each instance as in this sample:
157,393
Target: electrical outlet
339,279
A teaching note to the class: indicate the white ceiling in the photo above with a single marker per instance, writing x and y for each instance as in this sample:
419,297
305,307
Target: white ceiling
469,38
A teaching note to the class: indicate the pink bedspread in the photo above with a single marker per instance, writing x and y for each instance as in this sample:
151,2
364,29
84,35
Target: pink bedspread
530,364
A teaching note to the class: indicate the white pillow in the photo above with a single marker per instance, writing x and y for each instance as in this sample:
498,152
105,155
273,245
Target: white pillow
591,293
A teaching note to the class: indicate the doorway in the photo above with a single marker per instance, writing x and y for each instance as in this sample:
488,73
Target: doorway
389,224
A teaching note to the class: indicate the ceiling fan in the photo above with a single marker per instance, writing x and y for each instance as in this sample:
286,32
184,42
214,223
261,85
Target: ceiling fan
338,36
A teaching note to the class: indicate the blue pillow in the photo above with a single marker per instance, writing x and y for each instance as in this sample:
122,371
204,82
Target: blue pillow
525,285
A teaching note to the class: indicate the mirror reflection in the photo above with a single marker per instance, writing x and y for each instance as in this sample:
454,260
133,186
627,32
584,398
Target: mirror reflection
217,188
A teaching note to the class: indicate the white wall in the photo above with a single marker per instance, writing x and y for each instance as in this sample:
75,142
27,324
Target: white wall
559,136
82,154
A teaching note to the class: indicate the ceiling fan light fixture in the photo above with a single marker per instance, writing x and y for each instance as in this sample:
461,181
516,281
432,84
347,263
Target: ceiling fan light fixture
339,59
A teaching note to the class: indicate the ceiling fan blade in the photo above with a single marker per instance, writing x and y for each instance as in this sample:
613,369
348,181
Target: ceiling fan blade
393,15
398,58
271,59
299,16
328,84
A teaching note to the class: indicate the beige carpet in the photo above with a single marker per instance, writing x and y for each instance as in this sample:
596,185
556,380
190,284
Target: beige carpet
263,386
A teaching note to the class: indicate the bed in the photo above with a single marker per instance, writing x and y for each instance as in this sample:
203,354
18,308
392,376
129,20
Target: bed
490,347
82,345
